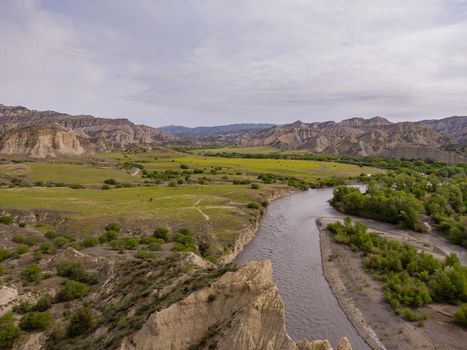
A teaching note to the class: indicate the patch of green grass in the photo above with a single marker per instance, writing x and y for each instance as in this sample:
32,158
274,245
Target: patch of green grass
75,174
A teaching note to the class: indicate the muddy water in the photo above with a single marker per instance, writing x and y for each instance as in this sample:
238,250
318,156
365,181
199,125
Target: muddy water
289,237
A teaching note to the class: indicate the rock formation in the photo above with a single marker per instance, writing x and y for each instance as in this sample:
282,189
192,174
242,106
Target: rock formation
359,137
40,141
95,133
241,310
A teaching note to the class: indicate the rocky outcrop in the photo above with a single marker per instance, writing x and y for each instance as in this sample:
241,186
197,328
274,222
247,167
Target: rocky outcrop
100,133
453,127
241,310
360,137
39,141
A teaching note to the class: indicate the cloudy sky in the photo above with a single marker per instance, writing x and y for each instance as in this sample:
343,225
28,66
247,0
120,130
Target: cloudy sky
206,62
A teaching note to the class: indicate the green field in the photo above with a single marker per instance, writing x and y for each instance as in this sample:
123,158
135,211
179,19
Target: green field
65,173
206,201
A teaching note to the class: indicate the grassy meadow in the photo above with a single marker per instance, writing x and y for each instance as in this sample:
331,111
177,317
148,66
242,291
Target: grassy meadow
208,195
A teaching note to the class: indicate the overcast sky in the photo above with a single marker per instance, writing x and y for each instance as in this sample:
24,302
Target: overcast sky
207,62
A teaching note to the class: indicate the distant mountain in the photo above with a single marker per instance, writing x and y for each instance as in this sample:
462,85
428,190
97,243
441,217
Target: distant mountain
98,133
203,131
357,136
453,127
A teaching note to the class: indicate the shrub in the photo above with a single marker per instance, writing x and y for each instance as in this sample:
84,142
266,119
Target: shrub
185,242
161,233
21,249
81,322
32,273
9,332
6,220
44,303
172,184
60,241
110,182
5,253
36,321
75,271
461,315
23,239
90,241
253,205
105,187
72,290
2,270
22,308
108,236
47,248
113,226
254,186
184,166
128,243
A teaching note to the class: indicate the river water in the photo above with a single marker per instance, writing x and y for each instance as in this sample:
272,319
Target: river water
289,237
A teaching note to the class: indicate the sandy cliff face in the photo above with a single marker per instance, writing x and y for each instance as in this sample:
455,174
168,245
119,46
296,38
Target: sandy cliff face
40,141
103,133
241,310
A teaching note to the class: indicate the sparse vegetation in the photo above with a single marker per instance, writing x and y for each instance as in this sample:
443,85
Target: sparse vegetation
36,321
9,331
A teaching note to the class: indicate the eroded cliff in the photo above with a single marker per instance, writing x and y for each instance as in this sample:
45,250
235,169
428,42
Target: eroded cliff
241,310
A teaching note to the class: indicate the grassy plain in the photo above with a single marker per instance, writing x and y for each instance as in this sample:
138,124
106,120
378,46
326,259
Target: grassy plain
207,202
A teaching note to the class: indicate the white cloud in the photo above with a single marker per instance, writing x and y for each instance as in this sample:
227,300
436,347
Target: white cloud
207,62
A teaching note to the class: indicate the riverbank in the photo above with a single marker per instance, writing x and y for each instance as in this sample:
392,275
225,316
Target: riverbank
361,297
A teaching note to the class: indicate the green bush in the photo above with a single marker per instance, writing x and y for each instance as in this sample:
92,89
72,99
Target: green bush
75,271
128,243
110,181
9,331
36,321
23,239
5,253
184,241
72,290
81,322
461,315
254,186
161,233
6,220
2,270
253,205
105,187
90,241
108,236
32,273
44,303
23,308
113,226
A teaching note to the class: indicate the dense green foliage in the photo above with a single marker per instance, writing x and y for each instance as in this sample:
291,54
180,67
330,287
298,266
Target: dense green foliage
412,279
9,332
32,273
75,271
461,315
403,198
72,290
36,321
184,241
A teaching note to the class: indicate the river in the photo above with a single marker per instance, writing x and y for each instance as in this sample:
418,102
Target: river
289,237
